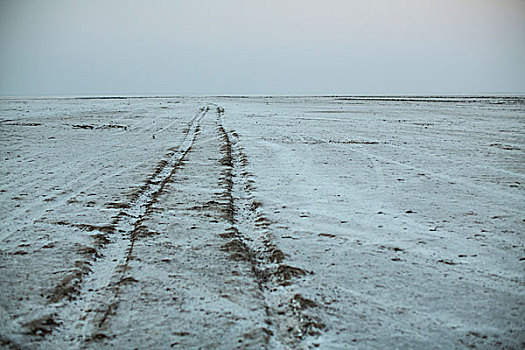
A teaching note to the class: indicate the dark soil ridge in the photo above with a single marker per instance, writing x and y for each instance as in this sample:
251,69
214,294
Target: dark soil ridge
139,229
237,247
70,287
266,261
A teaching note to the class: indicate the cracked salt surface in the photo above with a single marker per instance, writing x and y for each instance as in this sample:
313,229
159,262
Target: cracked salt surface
262,222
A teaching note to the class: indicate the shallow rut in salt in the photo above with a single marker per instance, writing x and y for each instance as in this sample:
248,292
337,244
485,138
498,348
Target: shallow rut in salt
193,251
184,273
96,288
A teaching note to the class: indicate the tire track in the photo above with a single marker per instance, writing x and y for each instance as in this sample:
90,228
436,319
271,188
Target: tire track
182,278
289,320
83,318
237,245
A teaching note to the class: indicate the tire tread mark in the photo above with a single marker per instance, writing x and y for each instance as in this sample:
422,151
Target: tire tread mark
288,321
100,285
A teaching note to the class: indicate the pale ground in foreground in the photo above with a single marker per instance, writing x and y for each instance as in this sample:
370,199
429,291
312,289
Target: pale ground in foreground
208,222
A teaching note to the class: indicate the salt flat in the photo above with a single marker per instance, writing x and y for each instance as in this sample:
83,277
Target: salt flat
262,222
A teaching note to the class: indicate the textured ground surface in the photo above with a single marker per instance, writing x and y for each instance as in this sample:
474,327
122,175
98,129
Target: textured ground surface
262,222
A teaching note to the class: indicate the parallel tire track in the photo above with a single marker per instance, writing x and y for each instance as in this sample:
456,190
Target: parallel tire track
83,318
148,198
250,239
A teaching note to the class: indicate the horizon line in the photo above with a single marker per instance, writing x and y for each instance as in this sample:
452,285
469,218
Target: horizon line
257,95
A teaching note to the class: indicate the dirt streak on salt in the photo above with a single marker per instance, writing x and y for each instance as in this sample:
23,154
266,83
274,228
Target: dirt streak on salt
336,222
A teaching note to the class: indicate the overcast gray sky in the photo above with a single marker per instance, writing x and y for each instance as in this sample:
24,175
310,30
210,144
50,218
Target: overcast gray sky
67,47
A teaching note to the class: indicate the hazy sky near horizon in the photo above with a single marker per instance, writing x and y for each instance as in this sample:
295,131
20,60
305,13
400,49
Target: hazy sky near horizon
69,47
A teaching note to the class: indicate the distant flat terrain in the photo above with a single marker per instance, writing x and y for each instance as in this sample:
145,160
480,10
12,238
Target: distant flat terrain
267,222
